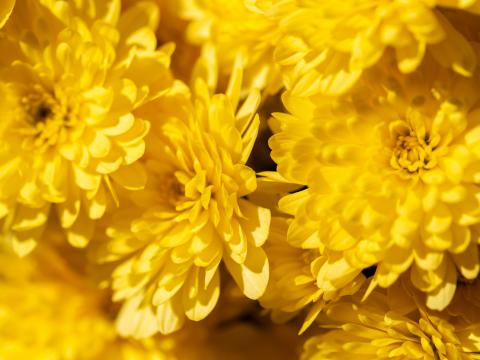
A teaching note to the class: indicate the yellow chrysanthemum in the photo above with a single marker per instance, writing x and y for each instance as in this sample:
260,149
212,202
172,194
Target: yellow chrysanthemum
293,273
233,27
193,214
328,44
390,326
392,171
72,77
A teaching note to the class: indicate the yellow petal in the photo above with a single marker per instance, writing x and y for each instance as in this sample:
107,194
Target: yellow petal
170,316
69,209
136,318
311,316
290,203
438,242
131,177
398,259
5,10
24,242
335,81
235,82
300,235
236,242
29,218
365,51
426,258
85,180
338,239
438,220
123,122
133,152
335,273
403,231
426,280
454,194
409,57
53,176
384,277
99,146
257,221
172,278
453,169
211,255
177,235
97,205
461,237
442,296
252,275
246,113
198,299
144,14
467,261
80,233
30,193
249,138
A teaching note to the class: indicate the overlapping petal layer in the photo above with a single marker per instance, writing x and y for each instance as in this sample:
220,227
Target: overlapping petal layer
391,174
293,280
72,77
390,326
192,215
326,45
235,27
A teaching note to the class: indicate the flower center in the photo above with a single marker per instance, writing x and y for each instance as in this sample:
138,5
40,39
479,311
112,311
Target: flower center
171,190
412,154
46,120
413,151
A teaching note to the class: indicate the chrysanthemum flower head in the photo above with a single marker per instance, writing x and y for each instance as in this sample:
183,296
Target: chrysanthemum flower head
328,44
72,76
392,176
234,27
390,326
293,286
192,215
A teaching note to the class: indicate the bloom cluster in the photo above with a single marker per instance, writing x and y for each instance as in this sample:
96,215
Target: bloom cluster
242,179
